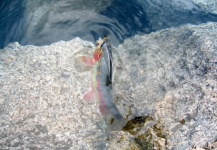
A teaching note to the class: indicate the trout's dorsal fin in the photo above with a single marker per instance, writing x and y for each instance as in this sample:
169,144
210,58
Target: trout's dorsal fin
108,58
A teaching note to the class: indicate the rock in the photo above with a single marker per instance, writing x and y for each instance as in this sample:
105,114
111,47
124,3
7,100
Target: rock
208,6
165,86
171,75
65,74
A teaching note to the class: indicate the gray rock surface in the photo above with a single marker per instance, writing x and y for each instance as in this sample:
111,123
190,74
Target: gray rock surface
208,6
169,77
41,97
171,74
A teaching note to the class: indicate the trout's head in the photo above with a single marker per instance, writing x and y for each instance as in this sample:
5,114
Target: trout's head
99,50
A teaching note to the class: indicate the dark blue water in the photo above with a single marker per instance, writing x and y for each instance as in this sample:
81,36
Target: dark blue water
43,22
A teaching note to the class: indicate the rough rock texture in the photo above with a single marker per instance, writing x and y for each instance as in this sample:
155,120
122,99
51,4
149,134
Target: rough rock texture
41,99
166,82
208,6
172,75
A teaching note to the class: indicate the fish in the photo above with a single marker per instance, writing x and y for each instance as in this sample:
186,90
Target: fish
101,82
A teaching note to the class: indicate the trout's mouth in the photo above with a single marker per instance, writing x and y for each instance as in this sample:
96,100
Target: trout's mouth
100,43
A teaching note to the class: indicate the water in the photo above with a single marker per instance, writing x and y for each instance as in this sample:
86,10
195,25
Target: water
43,22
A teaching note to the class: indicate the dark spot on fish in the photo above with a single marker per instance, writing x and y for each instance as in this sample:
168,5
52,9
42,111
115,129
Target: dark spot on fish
108,81
112,121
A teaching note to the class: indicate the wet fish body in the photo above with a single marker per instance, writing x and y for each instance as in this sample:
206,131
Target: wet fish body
101,80
104,92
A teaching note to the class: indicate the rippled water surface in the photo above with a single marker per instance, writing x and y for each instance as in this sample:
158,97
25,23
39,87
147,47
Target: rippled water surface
43,22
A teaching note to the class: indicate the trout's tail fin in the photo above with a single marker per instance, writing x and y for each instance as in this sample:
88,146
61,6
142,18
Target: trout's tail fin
115,122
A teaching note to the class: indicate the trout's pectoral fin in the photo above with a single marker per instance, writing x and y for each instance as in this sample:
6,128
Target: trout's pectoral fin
90,96
86,60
